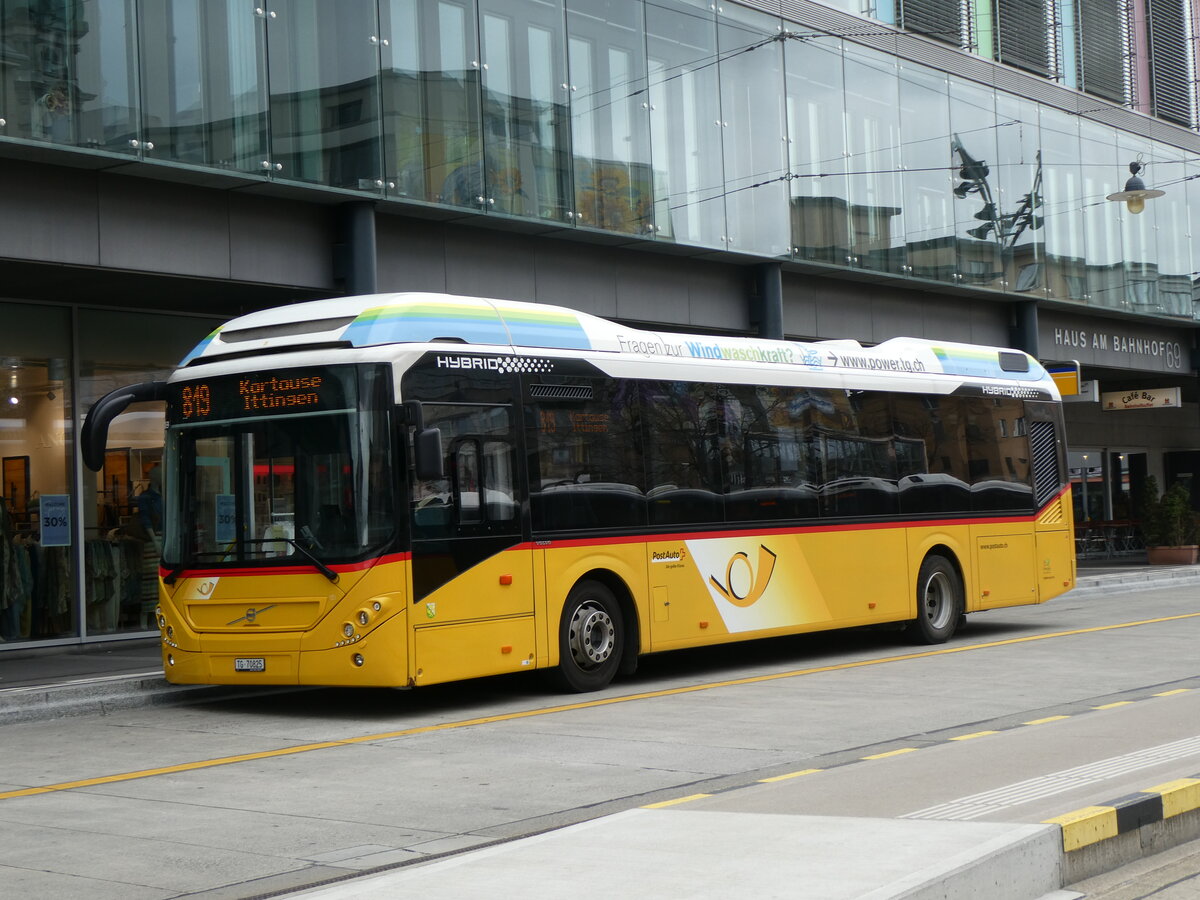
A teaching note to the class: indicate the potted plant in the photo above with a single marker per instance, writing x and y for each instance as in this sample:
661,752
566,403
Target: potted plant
1169,525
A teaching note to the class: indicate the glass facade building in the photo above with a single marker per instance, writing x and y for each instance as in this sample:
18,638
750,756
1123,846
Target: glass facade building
659,120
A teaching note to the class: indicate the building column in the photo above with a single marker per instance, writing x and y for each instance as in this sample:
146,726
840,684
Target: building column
355,256
766,308
1024,329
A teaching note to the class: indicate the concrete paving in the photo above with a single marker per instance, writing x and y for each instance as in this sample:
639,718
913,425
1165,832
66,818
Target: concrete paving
726,848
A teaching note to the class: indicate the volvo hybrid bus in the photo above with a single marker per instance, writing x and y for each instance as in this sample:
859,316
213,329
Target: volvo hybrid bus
407,489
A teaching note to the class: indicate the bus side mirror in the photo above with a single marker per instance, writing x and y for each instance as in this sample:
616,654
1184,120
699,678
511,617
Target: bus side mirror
94,435
427,446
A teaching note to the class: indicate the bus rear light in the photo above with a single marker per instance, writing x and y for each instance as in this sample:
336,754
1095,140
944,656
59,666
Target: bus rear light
358,660
377,606
348,630
363,617
170,659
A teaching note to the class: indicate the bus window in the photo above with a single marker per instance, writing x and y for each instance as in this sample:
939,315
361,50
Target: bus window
931,455
477,493
998,455
686,432
584,455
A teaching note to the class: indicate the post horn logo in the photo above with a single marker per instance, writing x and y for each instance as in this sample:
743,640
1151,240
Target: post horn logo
757,582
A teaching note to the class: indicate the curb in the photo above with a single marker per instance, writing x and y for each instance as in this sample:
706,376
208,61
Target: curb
1098,839
109,694
1134,581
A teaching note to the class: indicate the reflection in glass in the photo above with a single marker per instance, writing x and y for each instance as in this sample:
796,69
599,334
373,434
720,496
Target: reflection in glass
925,149
873,141
324,80
1020,178
524,109
817,144
1065,276
979,208
431,119
753,131
1171,247
203,85
1101,220
610,116
685,116
68,73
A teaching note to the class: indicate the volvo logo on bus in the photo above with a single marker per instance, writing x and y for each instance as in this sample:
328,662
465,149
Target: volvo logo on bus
252,614
743,586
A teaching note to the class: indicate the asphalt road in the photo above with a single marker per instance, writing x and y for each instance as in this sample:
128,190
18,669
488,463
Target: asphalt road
1099,695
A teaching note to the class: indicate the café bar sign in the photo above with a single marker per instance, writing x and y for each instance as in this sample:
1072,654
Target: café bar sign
1144,398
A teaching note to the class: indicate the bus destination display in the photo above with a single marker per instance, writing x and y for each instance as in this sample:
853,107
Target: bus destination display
263,393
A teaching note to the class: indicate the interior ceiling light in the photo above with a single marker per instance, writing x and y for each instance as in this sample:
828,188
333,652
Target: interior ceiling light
1136,193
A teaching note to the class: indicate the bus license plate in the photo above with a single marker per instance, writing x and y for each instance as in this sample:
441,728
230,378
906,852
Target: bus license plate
250,664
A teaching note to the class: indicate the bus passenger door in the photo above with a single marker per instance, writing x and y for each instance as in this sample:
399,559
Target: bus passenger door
472,574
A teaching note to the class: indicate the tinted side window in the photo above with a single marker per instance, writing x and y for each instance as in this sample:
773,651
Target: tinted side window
931,454
686,433
998,455
585,464
768,474
853,437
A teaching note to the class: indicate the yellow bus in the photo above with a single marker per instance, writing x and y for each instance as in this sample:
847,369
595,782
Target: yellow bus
414,488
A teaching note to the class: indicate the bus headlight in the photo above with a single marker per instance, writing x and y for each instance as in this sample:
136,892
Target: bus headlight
363,618
358,659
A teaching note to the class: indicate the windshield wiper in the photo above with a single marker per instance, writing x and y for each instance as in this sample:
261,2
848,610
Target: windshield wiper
320,566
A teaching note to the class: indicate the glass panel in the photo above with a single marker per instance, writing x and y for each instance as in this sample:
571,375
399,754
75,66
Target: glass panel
978,212
873,142
1065,278
1193,207
585,462
524,108
926,151
685,432
817,143
450,506
754,132
69,73
324,80
610,116
203,83
1102,220
37,592
433,149
1172,244
1022,214
123,503
685,113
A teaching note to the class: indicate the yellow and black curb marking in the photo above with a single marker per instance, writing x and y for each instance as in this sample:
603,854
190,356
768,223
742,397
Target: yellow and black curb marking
1094,824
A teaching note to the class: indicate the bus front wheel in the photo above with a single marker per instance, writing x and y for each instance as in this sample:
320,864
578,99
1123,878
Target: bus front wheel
591,638
939,601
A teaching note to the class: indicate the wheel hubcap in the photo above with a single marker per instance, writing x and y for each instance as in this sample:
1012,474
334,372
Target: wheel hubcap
592,636
939,600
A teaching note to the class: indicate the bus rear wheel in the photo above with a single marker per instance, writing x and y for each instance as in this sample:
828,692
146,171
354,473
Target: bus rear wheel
591,638
939,601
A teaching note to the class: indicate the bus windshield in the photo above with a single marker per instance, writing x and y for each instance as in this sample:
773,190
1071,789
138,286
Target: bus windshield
286,468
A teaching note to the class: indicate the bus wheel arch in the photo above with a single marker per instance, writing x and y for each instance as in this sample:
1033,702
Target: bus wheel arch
940,596
597,634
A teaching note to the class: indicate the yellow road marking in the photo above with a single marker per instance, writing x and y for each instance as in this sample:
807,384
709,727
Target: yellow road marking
571,707
977,734
789,775
676,801
1045,720
1114,705
1176,691
892,753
